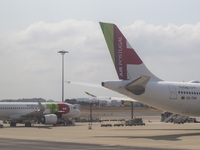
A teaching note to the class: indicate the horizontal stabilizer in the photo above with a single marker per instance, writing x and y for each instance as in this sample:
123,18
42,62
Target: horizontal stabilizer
137,86
85,84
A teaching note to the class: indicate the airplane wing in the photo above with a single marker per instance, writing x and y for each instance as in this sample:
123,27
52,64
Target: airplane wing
36,114
33,115
111,98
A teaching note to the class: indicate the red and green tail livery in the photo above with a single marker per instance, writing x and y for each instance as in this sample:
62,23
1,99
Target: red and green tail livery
90,94
121,51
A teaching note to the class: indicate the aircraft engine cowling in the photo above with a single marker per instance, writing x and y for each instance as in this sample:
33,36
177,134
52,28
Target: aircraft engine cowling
49,119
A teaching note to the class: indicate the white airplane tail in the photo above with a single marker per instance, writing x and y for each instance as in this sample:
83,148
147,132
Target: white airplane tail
128,64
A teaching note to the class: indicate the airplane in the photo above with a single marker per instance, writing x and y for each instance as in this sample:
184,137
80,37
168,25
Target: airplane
138,83
45,113
91,94
123,100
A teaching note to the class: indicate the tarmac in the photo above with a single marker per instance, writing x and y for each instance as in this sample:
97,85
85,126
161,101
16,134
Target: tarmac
153,136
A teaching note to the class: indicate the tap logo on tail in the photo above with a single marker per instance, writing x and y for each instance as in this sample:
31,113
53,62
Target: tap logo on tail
121,51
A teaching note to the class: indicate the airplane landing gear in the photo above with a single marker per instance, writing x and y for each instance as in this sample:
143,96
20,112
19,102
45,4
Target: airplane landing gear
13,124
65,122
27,124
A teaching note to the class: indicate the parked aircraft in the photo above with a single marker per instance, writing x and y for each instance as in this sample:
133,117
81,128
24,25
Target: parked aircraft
138,83
45,113
121,99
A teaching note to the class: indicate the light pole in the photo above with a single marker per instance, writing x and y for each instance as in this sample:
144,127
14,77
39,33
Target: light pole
62,53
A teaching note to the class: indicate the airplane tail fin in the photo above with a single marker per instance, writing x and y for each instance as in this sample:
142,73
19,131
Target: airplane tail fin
127,63
90,94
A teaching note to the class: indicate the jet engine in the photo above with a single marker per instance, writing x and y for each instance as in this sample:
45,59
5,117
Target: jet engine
49,119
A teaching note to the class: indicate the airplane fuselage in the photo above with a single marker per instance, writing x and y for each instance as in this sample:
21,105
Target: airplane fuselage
18,111
178,97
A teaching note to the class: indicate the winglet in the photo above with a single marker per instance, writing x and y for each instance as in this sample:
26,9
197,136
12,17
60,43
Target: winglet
40,106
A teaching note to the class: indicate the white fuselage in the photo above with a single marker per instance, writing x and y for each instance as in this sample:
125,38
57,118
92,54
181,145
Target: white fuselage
19,110
12,110
177,97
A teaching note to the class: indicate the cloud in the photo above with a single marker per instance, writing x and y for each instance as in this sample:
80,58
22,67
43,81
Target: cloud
167,50
31,67
31,61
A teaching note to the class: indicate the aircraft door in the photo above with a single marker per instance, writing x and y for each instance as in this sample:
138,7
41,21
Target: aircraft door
172,92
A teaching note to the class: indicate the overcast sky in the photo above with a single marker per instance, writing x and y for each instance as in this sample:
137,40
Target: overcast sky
165,34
